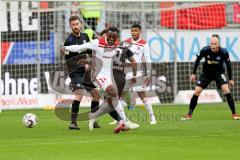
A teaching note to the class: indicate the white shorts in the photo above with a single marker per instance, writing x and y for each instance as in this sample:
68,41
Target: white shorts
139,86
101,82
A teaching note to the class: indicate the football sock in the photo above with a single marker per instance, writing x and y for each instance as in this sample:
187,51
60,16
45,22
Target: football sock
127,97
148,106
74,109
231,103
120,111
114,114
94,106
193,104
118,107
104,108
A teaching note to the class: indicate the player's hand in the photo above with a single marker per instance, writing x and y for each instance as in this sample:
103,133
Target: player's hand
126,65
83,62
147,81
193,78
133,80
63,51
231,83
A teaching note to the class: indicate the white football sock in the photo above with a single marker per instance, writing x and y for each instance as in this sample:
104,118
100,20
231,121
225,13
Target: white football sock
118,107
148,106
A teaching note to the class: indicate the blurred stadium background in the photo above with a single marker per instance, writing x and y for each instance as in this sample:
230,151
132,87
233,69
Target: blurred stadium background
32,33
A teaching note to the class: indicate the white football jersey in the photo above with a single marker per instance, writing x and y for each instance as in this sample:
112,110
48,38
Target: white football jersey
141,51
103,56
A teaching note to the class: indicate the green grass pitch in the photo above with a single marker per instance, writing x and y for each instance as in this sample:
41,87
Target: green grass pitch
212,134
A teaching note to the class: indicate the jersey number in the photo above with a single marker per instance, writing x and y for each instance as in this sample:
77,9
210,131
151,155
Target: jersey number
102,80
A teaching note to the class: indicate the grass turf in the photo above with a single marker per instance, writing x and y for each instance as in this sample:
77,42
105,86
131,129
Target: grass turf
212,134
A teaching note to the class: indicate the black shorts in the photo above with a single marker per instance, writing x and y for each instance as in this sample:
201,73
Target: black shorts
204,80
120,80
81,81
76,81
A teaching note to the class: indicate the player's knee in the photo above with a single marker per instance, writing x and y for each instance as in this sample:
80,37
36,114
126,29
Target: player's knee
197,92
142,95
95,95
78,97
111,91
113,94
226,91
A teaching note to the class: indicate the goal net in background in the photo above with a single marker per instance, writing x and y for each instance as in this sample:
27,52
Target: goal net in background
33,32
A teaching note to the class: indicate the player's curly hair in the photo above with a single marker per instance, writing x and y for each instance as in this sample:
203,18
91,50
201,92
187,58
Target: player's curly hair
113,29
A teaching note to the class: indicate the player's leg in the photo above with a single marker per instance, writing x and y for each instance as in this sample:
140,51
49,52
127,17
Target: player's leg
125,93
119,79
100,82
120,83
193,103
148,106
201,84
106,86
90,87
95,105
113,113
118,107
77,88
222,83
75,109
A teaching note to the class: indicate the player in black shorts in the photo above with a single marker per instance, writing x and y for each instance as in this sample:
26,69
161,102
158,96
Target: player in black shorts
77,72
216,60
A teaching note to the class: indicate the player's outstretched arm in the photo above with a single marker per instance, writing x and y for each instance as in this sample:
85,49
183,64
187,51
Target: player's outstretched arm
79,48
134,68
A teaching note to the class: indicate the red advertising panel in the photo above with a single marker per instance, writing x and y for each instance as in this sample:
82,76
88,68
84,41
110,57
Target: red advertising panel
202,17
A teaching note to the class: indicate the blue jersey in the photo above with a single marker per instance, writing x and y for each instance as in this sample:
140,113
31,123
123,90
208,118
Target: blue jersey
74,57
215,63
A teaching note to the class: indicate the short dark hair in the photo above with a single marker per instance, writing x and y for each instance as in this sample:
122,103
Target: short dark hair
217,36
73,18
136,25
112,29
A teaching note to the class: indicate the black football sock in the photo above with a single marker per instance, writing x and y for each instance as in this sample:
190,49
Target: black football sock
75,109
114,114
193,104
231,103
94,106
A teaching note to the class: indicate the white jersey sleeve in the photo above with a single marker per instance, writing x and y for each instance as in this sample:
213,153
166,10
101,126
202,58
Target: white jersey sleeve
83,47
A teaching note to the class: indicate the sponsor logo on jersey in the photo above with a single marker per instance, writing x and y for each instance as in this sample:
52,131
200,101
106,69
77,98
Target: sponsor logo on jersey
212,62
107,57
218,58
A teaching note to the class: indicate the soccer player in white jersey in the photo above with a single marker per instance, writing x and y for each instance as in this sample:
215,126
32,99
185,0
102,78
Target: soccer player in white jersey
104,51
141,51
